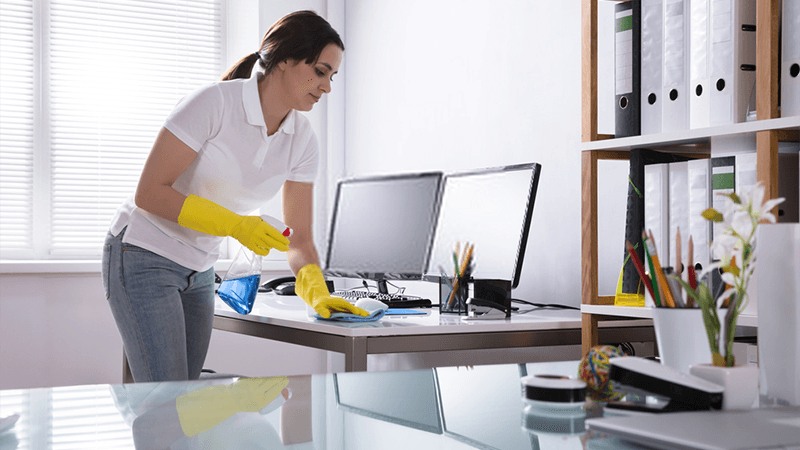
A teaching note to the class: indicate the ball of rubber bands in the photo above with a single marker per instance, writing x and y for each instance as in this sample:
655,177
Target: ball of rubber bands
593,369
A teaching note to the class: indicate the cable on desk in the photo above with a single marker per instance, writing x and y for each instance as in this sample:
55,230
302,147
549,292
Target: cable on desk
544,305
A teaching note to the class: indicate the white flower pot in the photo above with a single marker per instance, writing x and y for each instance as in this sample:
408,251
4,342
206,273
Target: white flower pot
740,383
681,337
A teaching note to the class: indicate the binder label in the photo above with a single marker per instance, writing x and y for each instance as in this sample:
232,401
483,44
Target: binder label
623,47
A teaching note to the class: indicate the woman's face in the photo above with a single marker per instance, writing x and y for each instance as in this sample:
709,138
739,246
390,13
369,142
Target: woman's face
306,83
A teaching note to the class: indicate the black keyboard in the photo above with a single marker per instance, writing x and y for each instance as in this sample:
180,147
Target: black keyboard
393,300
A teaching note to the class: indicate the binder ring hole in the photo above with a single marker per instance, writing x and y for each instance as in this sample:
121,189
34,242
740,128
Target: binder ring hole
720,84
623,102
699,90
651,99
673,94
794,70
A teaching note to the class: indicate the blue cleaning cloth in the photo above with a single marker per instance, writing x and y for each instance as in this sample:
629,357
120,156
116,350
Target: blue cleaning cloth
348,317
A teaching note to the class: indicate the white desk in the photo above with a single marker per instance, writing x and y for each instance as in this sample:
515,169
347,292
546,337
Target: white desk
284,318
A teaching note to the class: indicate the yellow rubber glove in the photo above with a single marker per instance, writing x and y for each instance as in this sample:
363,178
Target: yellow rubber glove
208,217
310,286
205,408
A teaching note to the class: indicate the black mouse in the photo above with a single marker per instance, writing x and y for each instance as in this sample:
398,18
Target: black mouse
285,289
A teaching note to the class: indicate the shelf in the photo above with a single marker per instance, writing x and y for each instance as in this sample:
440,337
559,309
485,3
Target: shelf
745,320
695,140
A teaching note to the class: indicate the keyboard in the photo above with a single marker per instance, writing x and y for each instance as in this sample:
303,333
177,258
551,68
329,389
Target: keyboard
393,300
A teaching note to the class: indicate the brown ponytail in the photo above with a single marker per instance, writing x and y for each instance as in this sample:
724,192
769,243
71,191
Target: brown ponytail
299,36
241,69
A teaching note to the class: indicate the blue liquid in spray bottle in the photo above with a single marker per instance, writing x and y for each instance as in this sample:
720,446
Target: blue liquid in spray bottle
240,293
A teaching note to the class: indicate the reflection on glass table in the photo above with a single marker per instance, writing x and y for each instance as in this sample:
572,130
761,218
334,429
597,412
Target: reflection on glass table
448,407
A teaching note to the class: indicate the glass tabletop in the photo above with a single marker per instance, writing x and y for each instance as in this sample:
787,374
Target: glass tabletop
448,407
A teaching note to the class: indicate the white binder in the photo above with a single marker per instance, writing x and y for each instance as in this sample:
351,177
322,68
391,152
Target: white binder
678,211
651,65
722,182
699,174
675,84
733,59
790,64
656,206
699,77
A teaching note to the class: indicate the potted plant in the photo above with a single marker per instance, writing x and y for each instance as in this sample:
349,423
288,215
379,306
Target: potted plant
734,248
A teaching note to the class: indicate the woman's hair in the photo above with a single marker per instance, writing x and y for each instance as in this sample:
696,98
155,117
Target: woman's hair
301,36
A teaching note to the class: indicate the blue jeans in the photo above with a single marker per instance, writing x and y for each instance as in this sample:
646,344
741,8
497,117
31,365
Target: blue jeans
163,310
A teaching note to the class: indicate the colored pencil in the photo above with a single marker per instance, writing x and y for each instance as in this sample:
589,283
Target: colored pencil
678,261
662,281
639,268
656,288
691,276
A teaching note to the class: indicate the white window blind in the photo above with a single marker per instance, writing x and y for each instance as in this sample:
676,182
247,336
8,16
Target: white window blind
16,125
85,417
111,71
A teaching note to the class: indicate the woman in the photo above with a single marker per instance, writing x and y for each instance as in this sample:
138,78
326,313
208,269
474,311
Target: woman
225,150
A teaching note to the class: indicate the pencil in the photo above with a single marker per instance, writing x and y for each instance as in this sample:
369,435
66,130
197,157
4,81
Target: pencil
654,280
662,281
639,268
678,261
692,278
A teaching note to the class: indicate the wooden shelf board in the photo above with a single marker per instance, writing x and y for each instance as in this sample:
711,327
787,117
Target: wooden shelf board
695,140
745,320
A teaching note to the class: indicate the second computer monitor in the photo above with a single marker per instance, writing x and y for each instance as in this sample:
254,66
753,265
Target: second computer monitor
381,226
490,208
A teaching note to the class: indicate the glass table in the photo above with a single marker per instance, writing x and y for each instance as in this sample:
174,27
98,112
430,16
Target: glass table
445,408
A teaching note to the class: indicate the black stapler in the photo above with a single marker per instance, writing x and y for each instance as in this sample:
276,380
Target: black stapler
673,390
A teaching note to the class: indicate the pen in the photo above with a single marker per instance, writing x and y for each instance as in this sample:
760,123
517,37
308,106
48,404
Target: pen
662,281
639,268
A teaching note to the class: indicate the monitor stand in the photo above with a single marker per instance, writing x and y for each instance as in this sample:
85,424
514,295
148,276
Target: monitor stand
382,288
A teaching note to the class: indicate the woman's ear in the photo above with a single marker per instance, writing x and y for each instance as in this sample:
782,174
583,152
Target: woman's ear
283,65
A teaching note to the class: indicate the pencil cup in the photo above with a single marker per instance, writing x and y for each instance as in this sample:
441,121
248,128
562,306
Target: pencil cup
681,337
453,302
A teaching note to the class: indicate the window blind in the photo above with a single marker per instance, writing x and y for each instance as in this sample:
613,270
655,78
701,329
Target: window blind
85,85
16,126
117,68
85,417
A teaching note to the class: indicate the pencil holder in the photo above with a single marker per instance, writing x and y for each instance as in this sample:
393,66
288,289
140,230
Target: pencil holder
453,294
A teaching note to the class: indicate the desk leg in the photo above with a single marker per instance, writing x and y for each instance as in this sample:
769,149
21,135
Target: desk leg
127,376
355,358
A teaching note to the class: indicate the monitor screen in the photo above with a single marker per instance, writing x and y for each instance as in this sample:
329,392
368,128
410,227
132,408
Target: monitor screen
409,398
381,226
492,209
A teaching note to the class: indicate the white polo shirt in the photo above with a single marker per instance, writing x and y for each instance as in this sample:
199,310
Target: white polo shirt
237,166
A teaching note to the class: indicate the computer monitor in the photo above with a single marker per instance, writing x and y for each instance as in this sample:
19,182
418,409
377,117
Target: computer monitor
492,209
381,227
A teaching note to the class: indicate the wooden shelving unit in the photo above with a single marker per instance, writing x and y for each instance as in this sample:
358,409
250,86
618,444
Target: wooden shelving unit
767,131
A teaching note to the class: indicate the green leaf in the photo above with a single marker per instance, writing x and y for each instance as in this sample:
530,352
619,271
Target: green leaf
732,268
734,197
717,359
712,215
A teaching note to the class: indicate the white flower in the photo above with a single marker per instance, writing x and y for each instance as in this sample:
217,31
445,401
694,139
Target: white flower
742,224
762,211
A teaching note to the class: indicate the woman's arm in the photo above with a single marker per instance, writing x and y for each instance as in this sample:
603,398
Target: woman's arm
298,213
298,209
168,159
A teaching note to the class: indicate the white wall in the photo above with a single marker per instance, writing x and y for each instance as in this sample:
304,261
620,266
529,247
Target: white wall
446,85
